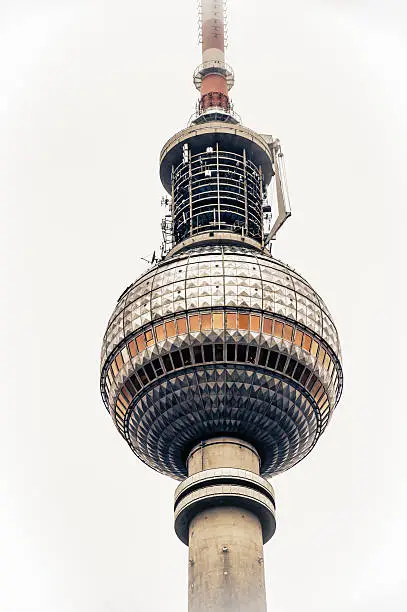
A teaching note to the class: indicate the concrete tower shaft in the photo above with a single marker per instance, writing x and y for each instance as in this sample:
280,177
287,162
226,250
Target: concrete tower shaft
224,511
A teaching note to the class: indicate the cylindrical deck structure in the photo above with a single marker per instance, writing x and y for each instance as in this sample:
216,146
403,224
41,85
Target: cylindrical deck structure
224,511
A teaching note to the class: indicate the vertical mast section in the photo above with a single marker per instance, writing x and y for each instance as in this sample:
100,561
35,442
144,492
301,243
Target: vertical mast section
213,78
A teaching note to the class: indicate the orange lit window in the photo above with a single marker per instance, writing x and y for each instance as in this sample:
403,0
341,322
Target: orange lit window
206,321
119,361
319,394
123,400
231,320
114,368
322,401
255,323
321,355
267,325
278,329
149,337
315,388
132,348
298,337
218,320
121,408
126,394
314,348
182,325
159,332
327,361
170,329
141,343
194,323
288,332
243,321
307,342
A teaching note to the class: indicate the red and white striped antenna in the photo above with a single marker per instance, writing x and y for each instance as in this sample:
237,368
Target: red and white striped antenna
213,78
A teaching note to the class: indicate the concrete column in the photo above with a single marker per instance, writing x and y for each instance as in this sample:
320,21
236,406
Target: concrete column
226,569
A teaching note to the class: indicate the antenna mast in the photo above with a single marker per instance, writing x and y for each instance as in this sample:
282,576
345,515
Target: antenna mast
213,78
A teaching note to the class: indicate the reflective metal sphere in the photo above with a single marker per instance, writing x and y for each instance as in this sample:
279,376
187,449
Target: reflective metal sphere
221,340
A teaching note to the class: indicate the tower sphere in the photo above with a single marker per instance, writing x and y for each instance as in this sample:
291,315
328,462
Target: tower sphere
221,340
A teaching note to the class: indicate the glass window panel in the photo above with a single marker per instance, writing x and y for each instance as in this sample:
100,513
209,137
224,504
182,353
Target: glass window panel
141,343
282,362
231,320
157,367
135,382
110,376
114,368
182,325
241,352
194,323
319,394
149,337
251,354
311,382
123,400
321,355
218,320
231,352
298,337
314,348
278,329
288,332
208,352
186,356
130,389
119,361
307,342
291,367
170,329
243,321
267,325
121,408
206,321
218,352
298,372
149,371
255,323
143,376
331,367
272,361
160,333
263,357
167,363
176,359
132,348
126,394
198,354
323,400
125,355
327,361
305,377
315,388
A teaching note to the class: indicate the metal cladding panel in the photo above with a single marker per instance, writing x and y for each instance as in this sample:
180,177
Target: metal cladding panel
275,387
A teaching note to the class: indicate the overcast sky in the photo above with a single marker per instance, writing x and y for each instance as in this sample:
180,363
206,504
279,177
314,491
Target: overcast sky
89,92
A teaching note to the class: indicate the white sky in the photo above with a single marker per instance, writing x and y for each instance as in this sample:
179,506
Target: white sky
89,92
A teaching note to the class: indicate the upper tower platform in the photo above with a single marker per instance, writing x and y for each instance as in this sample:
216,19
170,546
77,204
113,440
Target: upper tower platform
217,174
